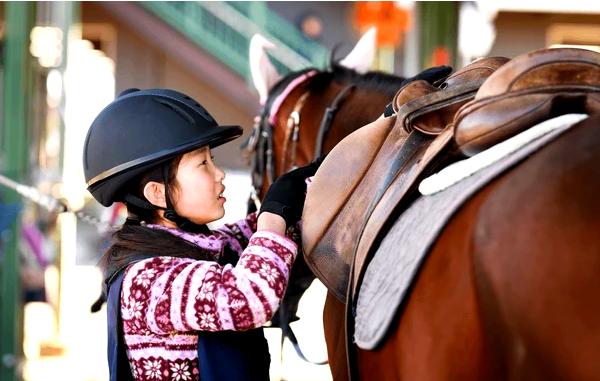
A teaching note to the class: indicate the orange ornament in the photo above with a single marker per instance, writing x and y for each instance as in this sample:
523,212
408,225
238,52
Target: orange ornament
390,20
440,56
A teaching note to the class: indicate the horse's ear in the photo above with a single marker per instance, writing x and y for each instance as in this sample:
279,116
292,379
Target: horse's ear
264,74
362,56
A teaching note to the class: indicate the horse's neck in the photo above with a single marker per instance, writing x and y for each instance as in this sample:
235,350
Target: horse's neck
358,104
367,105
362,107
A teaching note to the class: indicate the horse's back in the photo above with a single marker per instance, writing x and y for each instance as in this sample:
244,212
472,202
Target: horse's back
438,326
537,258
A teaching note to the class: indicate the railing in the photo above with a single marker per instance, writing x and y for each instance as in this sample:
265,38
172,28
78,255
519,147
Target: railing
224,29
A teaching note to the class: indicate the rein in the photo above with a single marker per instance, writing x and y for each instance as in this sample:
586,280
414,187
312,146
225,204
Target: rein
259,152
327,119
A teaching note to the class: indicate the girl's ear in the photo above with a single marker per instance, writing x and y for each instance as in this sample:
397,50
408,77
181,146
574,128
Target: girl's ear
155,193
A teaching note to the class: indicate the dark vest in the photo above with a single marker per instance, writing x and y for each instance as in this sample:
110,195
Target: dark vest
225,355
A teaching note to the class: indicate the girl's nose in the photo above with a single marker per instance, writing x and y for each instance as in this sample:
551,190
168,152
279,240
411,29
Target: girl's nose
219,174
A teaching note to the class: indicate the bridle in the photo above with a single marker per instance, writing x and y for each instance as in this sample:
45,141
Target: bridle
259,146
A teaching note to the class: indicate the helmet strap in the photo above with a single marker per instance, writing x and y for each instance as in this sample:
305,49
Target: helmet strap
140,203
132,217
169,212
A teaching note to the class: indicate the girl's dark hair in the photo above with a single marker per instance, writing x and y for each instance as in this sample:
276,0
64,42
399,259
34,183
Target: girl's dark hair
134,241
157,174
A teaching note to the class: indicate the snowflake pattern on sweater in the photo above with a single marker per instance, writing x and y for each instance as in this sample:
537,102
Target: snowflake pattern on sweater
165,300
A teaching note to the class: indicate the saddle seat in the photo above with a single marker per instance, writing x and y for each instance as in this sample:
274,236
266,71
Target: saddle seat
537,86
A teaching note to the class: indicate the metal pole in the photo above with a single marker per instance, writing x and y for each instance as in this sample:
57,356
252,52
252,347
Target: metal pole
68,19
18,23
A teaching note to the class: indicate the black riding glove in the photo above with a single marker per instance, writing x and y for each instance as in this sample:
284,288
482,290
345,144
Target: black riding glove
286,195
431,75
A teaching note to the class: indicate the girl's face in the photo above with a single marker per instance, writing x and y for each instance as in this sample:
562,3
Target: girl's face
198,195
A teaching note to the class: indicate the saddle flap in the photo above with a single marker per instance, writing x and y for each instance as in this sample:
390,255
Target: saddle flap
420,153
529,89
333,185
393,197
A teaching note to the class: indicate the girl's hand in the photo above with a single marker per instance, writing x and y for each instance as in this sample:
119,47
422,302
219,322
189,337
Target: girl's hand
286,195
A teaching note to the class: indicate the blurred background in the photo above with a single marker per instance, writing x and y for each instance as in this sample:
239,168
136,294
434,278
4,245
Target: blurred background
62,62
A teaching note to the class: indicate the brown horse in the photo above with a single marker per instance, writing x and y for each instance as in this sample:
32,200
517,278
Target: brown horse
508,290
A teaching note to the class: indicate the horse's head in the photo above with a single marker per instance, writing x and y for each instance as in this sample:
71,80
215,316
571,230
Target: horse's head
305,113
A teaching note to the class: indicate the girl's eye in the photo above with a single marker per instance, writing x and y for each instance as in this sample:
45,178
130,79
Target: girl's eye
206,162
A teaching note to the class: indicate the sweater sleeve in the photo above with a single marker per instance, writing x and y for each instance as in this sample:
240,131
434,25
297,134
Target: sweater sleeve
238,234
167,295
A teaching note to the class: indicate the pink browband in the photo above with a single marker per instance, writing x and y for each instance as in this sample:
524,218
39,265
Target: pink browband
281,97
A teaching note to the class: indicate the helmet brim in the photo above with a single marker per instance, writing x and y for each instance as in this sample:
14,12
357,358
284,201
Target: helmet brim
214,138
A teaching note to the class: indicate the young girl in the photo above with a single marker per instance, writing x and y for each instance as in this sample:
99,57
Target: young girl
185,302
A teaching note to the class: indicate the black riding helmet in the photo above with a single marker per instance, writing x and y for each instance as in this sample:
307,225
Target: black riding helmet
141,129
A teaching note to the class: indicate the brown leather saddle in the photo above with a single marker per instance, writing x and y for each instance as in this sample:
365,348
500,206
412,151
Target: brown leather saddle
367,175
370,177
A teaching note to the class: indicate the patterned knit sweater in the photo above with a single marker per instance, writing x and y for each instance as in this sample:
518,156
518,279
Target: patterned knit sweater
164,300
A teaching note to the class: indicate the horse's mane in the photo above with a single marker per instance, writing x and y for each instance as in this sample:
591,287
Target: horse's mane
373,80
